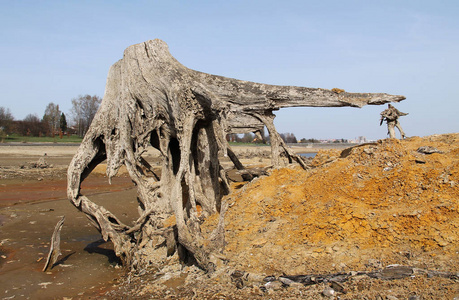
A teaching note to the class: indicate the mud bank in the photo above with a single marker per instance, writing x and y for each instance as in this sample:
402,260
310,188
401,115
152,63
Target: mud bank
87,265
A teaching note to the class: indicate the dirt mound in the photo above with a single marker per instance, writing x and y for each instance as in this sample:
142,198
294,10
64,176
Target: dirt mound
390,205
361,208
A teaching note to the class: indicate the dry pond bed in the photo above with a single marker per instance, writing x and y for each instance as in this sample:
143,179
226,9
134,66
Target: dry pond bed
357,211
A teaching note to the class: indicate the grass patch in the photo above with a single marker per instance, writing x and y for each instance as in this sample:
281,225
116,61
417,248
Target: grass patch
35,139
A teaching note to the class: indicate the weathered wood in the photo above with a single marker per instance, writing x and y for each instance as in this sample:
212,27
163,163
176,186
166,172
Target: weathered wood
55,246
393,272
151,99
336,280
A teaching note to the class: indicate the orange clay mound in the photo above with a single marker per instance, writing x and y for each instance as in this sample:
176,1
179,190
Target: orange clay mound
358,209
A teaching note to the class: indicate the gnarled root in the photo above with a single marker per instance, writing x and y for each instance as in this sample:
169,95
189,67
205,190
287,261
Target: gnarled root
153,100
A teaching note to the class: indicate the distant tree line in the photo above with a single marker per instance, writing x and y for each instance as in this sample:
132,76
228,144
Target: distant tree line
84,109
252,138
247,137
6,120
337,141
307,141
54,121
288,138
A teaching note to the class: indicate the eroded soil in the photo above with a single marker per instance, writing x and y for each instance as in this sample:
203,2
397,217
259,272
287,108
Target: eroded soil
361,209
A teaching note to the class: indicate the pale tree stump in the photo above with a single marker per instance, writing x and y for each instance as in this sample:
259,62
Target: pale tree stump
151,99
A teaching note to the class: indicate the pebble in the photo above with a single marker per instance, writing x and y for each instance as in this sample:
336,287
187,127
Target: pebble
257,291
44,284
286,281
428,150
296,285
273,285
338,287
328,292
374,263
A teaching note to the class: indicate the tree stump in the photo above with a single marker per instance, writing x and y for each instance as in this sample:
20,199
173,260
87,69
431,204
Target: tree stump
151,99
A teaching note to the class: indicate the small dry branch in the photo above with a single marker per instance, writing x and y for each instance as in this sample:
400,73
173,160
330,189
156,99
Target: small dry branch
55,247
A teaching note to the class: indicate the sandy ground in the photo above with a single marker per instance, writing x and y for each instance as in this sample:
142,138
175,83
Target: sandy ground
31,203
12,153
372,209
33,200
15,154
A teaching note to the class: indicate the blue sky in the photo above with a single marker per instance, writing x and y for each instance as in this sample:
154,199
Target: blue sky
53,51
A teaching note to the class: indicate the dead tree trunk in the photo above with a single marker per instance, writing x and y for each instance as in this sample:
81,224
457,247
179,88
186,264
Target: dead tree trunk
151,99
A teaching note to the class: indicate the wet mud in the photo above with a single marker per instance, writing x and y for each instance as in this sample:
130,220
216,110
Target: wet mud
16,191
28,213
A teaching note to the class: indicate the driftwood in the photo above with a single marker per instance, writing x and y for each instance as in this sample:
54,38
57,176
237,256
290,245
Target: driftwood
55,246
336,280
151,99
428,150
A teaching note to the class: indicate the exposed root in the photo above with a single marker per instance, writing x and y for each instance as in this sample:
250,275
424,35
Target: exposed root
152,100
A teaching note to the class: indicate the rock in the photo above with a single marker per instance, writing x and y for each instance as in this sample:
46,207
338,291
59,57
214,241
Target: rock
328,292
375,263
259,243
250,277
420,161
273,285
236,278
359,277
257,291
428,150
286,281
46,210
44,284
296,285
338,287
369,151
